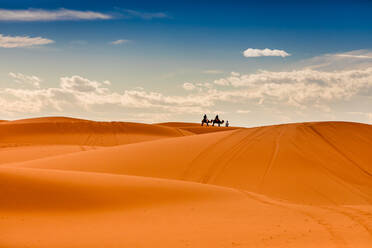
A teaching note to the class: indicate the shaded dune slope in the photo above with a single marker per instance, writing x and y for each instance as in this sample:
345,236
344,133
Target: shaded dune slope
62,130
316,163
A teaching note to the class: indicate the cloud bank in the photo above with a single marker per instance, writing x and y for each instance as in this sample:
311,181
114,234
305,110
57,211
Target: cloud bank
297,90
303,94
50,15
251,53
22,41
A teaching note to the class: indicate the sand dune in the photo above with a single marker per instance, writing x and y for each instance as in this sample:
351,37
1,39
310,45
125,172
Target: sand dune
26,153
196,128
62,130
66,209
293,185
178,124
317,163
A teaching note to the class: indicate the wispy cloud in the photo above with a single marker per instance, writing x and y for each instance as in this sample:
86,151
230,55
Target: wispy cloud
145,15
188,86
354,56
26,79
118,42
50,15
251,52
22,41
356,59
212,71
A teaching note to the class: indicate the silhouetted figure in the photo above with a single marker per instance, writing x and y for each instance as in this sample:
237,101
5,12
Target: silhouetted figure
227,123
217,120
205,120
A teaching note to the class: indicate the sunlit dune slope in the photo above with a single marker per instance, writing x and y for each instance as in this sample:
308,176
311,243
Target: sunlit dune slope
62,130
202,130
197,128
49,208
179,124
316,163
30,152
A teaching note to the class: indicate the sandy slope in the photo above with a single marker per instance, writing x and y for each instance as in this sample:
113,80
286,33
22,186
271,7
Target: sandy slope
196,128
62,130
317,163
45,208
294,185
29,139
26,153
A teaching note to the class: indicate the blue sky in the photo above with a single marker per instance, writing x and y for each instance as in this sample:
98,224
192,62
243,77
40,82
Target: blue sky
149,51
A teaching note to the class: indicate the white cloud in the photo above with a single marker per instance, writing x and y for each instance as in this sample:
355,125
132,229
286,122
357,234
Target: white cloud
25,79
145,15
81,93
22,41
50,15
251,52
353,56
118,42
80,84
299,88
293,94
188,86
221,81
212,71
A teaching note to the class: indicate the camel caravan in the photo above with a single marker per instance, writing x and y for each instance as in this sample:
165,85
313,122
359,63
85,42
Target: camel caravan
216,120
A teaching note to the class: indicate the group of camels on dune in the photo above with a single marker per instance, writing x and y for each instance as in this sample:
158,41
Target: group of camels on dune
216,120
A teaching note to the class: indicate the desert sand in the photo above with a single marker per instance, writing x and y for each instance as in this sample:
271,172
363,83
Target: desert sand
75,183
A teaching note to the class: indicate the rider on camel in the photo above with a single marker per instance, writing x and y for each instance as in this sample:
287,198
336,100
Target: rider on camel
216,119
205,120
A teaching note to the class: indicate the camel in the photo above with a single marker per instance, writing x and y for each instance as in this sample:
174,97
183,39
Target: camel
219,122
206,121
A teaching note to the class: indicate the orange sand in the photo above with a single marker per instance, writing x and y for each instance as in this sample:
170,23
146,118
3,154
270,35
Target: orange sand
75,183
